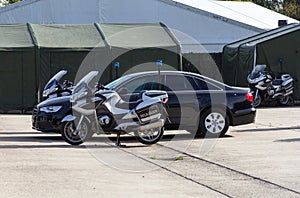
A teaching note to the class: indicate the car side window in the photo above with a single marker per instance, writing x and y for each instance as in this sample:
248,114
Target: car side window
203,85
142,83
179,83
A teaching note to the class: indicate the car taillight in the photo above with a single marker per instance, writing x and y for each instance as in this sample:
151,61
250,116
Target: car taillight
165,100
249,97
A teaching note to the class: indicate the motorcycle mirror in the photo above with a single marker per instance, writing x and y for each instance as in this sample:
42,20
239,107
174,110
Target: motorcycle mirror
123,91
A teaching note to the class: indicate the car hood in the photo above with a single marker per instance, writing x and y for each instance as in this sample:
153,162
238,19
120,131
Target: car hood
55,101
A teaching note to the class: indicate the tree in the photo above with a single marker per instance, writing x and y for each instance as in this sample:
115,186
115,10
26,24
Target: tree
291,8
7,2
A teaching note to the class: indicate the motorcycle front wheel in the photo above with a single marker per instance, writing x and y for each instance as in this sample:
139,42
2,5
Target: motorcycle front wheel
75,135
150,136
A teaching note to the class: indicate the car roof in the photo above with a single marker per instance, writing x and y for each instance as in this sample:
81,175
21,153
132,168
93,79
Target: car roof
178,72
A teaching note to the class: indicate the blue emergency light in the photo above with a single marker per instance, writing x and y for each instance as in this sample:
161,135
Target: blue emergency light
159,63
117,64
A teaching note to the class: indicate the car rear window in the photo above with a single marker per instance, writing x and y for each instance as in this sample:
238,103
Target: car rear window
203,85
180,83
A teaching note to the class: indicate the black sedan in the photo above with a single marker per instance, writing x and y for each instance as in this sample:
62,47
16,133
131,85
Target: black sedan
196,103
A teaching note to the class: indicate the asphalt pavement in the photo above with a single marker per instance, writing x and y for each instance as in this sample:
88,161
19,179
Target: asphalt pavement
255,160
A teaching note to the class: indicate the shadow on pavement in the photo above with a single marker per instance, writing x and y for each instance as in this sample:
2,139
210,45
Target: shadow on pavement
268,129
46,140
289,140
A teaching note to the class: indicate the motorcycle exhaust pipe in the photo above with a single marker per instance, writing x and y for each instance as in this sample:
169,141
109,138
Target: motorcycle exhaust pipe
288,86
288,93
289,90
277,95
158,124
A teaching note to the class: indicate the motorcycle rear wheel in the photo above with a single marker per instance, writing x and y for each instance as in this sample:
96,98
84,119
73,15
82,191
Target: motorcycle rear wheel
150,136
284,100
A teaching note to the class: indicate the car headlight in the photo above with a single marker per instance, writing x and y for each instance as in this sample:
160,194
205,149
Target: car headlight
50,109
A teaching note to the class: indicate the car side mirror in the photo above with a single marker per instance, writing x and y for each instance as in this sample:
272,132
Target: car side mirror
123,91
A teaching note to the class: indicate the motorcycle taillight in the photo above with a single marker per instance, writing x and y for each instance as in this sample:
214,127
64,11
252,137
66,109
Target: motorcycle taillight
249,96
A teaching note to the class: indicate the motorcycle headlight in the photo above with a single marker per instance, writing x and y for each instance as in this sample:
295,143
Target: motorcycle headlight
49,91
50,109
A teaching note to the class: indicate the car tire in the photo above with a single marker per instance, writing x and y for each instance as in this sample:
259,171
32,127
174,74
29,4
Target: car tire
213,123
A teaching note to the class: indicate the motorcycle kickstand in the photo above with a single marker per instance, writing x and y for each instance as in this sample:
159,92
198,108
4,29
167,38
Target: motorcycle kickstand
118,143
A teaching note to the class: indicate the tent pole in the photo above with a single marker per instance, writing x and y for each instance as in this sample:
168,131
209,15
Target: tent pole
178,44
37,60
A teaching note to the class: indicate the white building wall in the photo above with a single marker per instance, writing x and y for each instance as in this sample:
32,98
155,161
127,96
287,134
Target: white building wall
213,33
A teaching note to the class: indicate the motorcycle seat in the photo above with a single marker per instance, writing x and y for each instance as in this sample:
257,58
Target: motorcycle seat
277,82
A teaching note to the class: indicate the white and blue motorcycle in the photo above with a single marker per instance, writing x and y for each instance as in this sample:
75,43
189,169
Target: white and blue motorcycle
265,88
54,89
103,111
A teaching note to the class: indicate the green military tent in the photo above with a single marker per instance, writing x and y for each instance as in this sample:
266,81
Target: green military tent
64,47
17,66
137,47
32,53
279,49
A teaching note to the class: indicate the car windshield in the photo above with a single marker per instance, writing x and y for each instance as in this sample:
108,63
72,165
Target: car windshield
117,82
56,78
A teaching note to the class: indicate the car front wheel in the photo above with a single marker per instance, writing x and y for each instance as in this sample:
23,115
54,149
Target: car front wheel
213,123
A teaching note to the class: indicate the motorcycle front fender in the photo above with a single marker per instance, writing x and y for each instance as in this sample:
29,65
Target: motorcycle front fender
68,118
165,114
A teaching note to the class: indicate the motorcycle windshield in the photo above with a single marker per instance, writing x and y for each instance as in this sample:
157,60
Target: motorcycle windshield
55,78
256,70
84,81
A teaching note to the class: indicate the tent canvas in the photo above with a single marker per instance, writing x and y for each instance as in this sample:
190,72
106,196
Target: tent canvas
137,47
64,47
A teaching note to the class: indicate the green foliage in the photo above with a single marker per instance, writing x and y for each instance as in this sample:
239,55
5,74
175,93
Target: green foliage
7,2
12,1
178,158
289,8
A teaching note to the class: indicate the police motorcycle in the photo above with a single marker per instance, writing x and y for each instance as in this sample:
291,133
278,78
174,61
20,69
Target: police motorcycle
265,88
102,111
54,89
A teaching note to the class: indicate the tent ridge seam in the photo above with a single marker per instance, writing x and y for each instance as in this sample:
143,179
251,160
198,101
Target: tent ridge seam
32,35
101,34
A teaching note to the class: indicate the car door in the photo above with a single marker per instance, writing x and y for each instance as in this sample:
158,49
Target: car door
208,94
183,104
